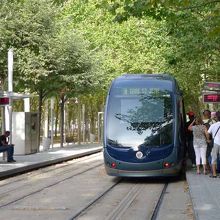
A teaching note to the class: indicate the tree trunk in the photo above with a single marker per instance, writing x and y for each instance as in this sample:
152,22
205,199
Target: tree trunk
93,127
86,125
62,112
79,124
57,117
40,113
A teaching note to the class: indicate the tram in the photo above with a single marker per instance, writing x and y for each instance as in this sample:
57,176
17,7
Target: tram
144,126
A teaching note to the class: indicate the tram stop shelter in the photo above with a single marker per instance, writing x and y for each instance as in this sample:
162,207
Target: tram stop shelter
23,126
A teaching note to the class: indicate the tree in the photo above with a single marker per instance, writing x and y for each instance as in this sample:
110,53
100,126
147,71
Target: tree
133,46
193,29
49,59
72,69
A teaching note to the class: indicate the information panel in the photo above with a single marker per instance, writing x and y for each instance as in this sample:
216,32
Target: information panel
211,98
4,101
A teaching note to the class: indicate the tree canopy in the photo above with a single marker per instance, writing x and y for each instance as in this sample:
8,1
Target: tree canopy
192,28
80,45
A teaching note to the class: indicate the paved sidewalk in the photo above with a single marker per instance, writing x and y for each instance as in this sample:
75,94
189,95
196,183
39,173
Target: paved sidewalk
205,194
44,158
204,191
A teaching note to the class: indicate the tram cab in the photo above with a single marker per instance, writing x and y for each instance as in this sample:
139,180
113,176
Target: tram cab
144,126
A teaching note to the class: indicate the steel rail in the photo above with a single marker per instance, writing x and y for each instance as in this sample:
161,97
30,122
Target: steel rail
97,198
21,170
47,169
125,202
159,202
50,185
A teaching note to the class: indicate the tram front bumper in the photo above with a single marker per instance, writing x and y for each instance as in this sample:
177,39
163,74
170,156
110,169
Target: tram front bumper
174,171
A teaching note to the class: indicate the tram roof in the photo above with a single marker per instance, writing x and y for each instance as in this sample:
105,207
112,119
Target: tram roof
161,78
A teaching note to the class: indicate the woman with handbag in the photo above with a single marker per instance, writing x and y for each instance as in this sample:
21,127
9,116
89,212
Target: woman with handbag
199,142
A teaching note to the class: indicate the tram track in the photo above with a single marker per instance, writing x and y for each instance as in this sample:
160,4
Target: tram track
43,164
97,198
158,204
132,197
40,190
83,191
46,186
40,171
126,202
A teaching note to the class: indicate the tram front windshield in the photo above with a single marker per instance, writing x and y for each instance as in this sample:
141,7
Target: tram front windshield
140,114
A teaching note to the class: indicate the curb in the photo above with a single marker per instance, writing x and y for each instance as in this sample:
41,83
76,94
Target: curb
28,168
195,214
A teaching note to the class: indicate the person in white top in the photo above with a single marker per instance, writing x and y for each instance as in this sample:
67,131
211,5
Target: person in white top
214,130
208,120
199,142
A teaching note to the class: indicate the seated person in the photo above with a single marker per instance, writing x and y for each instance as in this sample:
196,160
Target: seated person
5,147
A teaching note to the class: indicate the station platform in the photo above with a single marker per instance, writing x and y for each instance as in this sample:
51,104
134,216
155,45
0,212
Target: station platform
204,191
205,195
51,156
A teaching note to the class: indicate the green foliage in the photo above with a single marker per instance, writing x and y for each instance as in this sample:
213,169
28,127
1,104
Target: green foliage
192,55
48,56
195,54
71,63
27,27
79,46
134,46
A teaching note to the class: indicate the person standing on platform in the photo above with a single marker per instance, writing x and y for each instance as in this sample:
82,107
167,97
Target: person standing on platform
199,142
214,131
189,139
208,121
207,118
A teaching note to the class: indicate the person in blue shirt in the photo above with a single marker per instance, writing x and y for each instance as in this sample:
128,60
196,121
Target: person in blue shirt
5,147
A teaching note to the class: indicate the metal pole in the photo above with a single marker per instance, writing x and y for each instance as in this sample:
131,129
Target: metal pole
10,70
83,121
52,119
46,119
10,89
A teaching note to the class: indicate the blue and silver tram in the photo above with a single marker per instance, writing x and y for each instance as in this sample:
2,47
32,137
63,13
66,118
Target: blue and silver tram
144,126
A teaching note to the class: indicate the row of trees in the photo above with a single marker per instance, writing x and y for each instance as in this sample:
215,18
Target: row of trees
192,30
50,59
136,36
74,48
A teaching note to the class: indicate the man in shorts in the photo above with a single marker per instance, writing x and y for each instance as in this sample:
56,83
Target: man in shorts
214,130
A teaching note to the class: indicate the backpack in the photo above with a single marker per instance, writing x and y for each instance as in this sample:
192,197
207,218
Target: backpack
207,124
